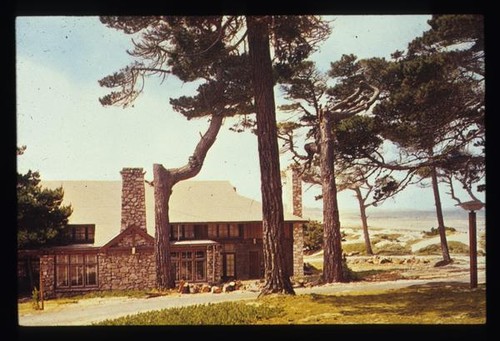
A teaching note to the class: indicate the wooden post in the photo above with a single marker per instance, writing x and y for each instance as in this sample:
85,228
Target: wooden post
473,249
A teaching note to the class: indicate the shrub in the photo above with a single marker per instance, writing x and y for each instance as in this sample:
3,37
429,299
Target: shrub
313,236
227,313
35,299
392,249
453,247
435,231
354,247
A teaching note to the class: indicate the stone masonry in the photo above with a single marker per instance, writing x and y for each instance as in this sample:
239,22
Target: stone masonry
133,198
298,231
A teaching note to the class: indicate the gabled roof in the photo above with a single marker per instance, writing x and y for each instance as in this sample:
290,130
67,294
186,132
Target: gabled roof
197,202
129,231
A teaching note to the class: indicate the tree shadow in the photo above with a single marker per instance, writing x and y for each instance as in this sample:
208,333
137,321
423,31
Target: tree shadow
444,299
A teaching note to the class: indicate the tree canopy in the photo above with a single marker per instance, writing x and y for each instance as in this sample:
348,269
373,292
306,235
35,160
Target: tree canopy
40,213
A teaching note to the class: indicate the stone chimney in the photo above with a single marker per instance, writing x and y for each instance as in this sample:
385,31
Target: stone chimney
296,193
133,198
293,191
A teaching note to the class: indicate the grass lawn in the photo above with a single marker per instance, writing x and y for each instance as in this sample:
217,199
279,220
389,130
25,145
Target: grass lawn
443,303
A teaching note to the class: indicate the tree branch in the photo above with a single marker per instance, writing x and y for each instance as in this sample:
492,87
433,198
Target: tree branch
195,163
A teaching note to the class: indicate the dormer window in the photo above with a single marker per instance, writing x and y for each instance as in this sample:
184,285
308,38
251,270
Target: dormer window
79,234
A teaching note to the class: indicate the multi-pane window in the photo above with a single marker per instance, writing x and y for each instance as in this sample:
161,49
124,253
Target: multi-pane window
188,231
229,265
223,231
234,231
78,234
212,231
62,271
90,270
200,267
180,232
189,265
76,270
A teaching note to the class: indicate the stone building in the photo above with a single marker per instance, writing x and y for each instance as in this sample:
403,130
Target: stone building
215,233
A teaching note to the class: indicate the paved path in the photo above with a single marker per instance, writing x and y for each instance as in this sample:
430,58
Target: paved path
89,311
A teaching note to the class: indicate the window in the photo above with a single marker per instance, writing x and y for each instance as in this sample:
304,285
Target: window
229,265
90,270
189,265
234,231
223,231
174,232
200,231
212,231
180,232
188,231
76,270
78,234
62,271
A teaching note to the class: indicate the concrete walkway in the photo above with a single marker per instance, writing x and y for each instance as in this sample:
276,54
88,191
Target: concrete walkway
89,311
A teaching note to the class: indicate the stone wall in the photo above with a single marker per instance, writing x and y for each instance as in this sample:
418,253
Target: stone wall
298,250
124,270
47,270
133,198
214,264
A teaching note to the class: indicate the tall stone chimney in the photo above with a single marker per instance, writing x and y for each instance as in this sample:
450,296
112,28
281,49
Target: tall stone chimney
296,193
292,194
294,199
133,198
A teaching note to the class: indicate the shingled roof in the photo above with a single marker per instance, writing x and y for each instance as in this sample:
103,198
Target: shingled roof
196,202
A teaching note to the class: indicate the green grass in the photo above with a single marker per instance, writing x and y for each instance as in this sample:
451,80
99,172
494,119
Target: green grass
441,303
227,313
435,304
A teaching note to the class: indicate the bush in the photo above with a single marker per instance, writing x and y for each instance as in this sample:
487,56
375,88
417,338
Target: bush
392,249
35,299
435,231
358,248
313,236
453,247
227,313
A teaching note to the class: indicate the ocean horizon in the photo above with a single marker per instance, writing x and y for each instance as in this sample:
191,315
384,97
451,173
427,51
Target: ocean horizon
421,220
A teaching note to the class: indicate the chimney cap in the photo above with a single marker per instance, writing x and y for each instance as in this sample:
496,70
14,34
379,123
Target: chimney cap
132,170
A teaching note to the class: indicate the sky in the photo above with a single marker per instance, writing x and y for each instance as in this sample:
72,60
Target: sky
70,136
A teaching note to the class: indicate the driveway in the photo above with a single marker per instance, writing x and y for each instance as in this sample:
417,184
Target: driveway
88,311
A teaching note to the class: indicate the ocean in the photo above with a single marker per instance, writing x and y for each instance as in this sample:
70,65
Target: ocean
403,219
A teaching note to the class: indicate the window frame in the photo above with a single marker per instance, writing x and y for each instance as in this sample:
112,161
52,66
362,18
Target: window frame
69,265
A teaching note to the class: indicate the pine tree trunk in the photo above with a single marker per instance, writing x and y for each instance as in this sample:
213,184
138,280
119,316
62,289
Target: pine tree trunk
364,221
163,181
162,192
440,219
332,248
275,272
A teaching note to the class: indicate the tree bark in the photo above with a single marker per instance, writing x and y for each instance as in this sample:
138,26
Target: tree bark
277,278
332,248
364,221
440,219
163,182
